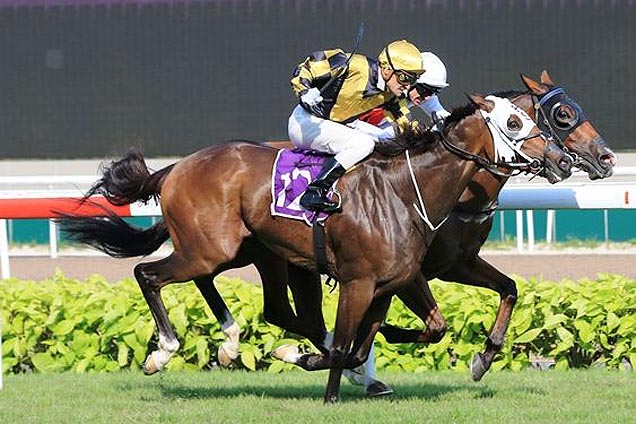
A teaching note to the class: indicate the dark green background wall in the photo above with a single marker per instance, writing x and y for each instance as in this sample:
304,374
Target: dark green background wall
88,81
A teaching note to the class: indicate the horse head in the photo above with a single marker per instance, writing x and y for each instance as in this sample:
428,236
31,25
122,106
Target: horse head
518,143
564,119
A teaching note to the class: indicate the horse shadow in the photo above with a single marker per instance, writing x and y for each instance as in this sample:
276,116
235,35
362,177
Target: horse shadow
348,393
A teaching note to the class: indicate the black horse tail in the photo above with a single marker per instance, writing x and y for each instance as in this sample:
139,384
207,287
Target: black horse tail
114,236
128,180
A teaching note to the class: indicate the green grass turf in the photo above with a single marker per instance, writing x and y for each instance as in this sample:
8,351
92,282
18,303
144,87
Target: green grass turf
232,396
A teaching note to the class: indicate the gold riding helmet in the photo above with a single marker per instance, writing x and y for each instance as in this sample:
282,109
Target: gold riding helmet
404,59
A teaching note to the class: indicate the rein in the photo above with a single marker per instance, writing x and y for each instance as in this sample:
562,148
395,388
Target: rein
421,210
498,136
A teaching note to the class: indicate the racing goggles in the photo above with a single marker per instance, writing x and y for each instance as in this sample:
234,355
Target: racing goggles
403,77
426,90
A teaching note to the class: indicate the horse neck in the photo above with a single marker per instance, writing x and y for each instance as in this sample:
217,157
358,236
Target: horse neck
481,193
443,179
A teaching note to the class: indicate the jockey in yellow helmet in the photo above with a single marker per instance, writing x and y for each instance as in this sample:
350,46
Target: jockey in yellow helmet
333,93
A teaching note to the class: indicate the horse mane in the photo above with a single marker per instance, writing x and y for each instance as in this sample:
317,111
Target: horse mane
459,113
509,94
420,138
417,137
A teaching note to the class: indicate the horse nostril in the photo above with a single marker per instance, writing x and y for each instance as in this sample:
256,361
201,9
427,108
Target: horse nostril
608,159
565,163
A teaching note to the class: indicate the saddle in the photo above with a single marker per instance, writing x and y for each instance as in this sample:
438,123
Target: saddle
292,172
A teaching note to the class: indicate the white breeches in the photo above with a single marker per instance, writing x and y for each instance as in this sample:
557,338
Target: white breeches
348,145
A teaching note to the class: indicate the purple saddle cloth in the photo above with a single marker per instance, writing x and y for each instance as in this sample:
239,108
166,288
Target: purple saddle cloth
292,172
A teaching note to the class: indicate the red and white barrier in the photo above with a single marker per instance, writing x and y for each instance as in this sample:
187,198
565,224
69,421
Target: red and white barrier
45,204
35,204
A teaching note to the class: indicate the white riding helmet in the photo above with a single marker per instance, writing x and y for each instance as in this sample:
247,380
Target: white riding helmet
435,74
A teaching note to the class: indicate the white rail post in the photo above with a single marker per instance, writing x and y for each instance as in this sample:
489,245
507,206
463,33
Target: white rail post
606,226
549,226
4,249
1,373
4,258
519,215
530,225
52,239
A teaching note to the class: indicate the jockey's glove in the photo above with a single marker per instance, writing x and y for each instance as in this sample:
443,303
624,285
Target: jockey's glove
311,97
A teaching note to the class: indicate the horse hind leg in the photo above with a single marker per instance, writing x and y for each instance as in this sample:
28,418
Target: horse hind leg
152,277
228,350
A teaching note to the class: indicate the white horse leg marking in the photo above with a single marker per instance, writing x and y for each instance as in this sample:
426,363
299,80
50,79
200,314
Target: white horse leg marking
229,349
158,359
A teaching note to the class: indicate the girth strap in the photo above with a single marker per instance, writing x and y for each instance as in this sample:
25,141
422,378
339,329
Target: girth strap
320,245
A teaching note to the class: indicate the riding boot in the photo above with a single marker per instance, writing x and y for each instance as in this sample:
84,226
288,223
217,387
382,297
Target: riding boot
315,197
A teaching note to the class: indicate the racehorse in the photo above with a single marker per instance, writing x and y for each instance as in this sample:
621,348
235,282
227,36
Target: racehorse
454,254
216,198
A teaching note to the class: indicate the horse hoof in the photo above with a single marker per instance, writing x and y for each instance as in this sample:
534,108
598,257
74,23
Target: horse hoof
377,389
286,353
150,367
478,367
225,356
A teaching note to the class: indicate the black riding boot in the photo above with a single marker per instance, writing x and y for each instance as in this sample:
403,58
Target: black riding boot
315,197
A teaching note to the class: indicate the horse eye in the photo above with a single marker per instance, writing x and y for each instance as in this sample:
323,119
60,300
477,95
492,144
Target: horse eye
513,124
565,116
562,114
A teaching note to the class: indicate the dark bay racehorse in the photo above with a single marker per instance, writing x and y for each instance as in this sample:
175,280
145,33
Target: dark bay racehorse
454,254
215,199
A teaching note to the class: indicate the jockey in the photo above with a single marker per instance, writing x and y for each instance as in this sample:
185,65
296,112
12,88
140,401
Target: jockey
334,88
424,94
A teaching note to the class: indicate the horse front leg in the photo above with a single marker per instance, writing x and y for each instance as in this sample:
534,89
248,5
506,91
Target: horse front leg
418,297
481,274
353,303
362,351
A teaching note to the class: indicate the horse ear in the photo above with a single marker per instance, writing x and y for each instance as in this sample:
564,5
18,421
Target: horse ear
480,101
535,87
546,79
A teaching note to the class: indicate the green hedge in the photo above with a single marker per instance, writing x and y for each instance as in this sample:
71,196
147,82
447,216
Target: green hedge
62,324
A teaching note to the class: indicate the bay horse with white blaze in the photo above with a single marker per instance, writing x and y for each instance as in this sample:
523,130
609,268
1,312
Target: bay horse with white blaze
216,198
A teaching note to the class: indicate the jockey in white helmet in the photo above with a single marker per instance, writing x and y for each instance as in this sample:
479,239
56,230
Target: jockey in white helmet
429,84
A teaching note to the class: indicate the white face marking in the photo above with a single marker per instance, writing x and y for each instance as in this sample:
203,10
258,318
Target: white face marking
508,140
502,111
